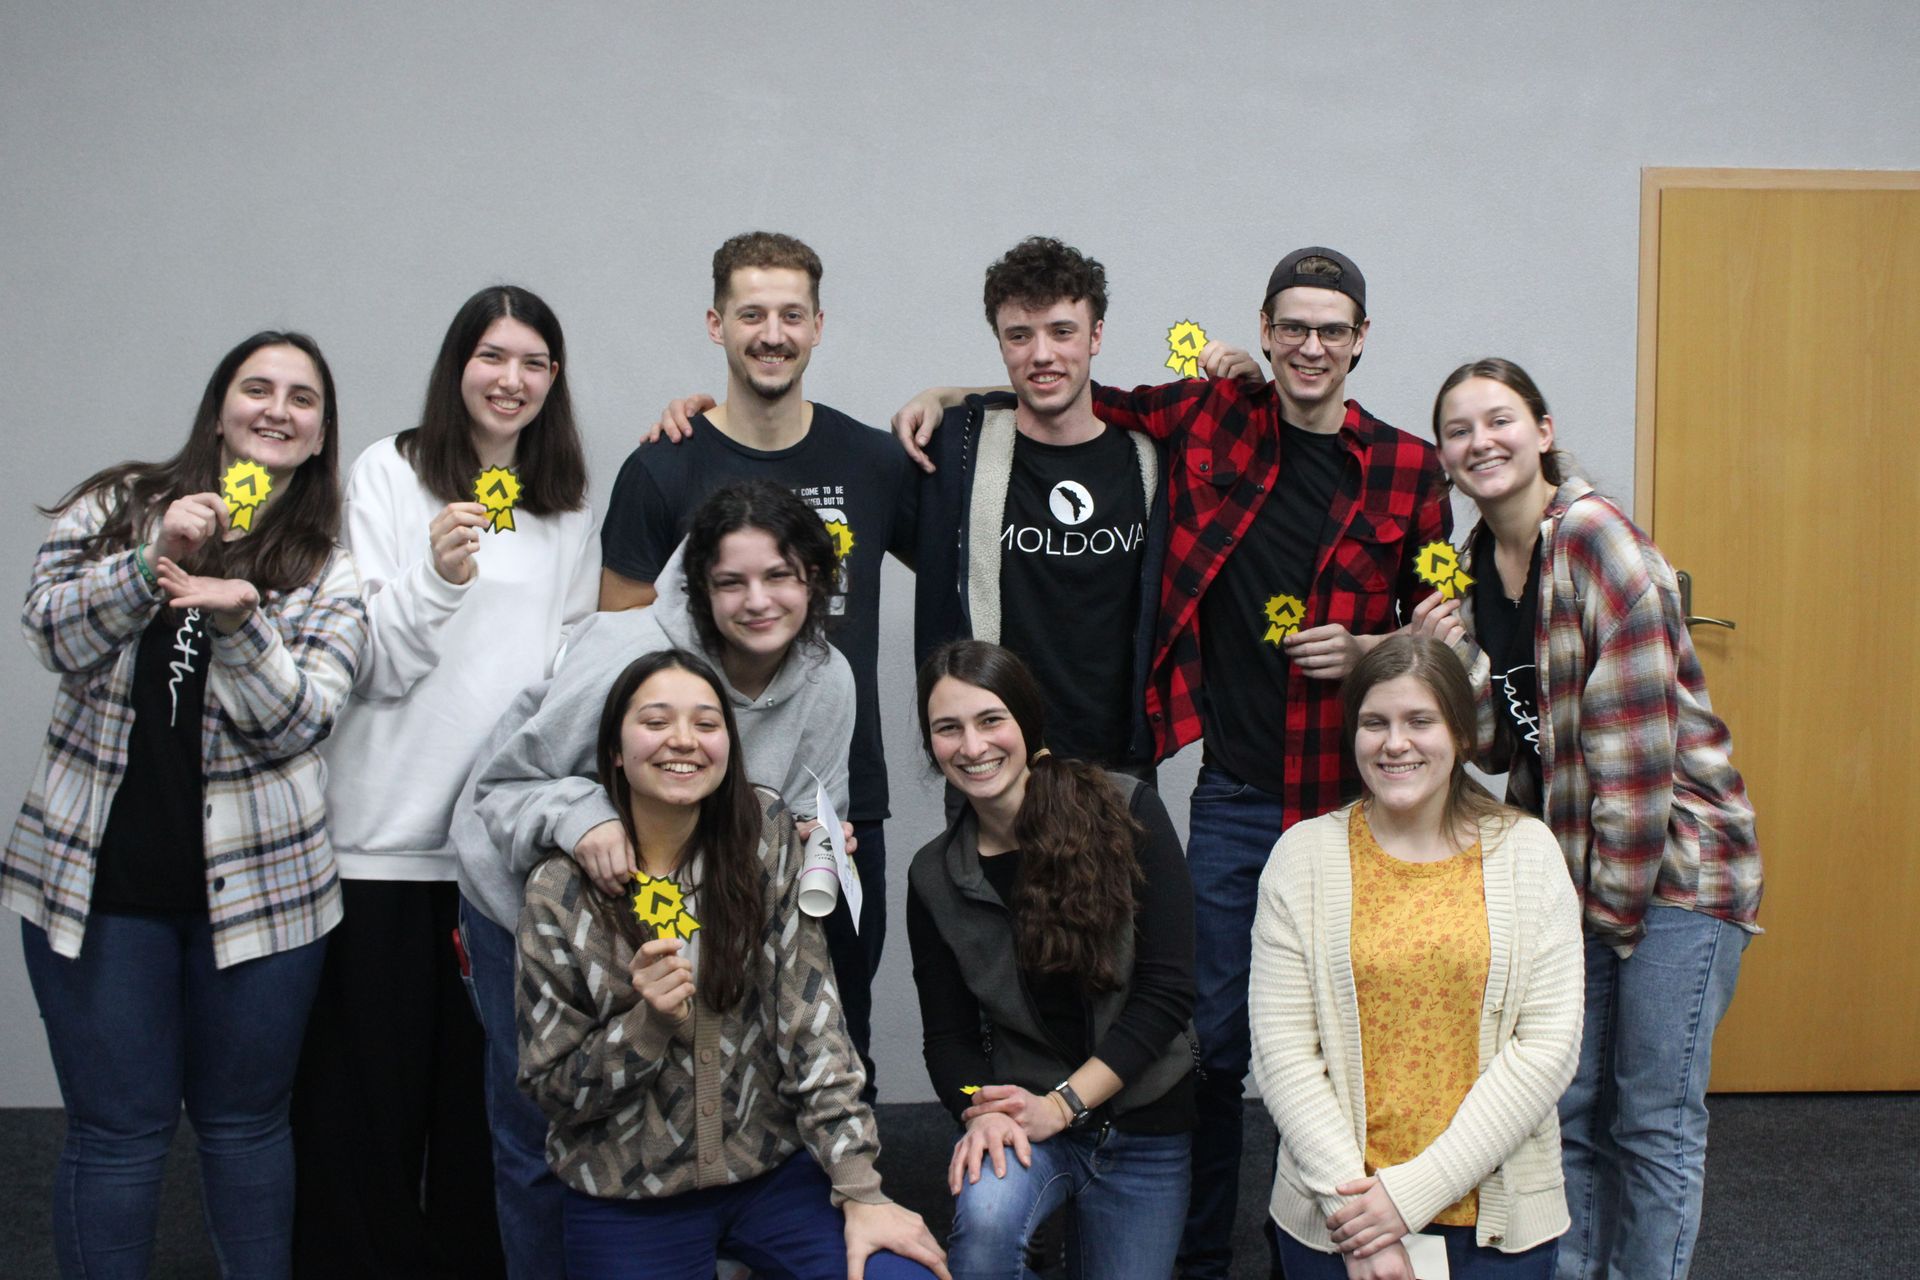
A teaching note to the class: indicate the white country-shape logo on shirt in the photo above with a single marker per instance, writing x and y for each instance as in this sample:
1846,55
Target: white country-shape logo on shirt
1070,502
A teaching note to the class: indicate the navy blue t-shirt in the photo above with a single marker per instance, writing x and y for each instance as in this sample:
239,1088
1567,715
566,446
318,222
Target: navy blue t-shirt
857,479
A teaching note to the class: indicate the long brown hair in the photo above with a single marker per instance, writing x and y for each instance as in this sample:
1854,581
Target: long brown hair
296,532
726,837
547,454
1435,666
1079,877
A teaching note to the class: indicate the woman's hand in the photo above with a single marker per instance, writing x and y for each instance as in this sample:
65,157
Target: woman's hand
453,536
227,601
874,1227
604,854
664,978
1367,1224
988,1136
1040,1117
188,525
1391,1263
1438,617
807,826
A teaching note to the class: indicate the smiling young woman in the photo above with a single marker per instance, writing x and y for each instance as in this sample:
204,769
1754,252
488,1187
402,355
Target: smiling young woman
172,859
390,1097
1420,950
1593,703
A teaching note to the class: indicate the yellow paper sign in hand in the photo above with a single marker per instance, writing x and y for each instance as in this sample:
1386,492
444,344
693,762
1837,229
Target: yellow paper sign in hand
1184,341
498,488
1286,613
245,486
1438,564
657,901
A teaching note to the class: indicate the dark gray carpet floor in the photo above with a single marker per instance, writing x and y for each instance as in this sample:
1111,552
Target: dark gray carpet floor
1797,1186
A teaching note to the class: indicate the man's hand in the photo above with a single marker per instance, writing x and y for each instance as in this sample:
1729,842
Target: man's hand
874,1227
1367,1224
604,854
664,978
1327,652
676,420
1218,360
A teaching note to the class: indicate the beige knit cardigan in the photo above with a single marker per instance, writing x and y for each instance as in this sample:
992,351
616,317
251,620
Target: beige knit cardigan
1505,1138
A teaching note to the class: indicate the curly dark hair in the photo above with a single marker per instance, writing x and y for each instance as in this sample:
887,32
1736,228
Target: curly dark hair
1041,270
794,528
726,837
548,456
1079,875
296,532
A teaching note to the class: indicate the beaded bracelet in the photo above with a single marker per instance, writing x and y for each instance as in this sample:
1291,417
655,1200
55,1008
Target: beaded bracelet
146,570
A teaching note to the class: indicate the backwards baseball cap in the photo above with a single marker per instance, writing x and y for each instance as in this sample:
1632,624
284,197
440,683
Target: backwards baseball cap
1333,271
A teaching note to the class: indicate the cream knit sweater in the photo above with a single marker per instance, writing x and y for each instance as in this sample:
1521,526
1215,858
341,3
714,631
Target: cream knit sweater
1505,1138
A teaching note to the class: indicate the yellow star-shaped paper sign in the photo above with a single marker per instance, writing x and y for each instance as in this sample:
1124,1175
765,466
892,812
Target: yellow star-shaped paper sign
1184,341
245,486
842,534
1285,613
497,489
1438,565
657,901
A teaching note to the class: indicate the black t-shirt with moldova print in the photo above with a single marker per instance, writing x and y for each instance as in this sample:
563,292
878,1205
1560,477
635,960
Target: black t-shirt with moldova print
854,477
1258,597
1071,546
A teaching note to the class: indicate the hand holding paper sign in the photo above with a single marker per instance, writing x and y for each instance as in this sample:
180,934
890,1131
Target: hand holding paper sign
1184,341
453,536
664,978
189,524
1438,564
1438,617
498,489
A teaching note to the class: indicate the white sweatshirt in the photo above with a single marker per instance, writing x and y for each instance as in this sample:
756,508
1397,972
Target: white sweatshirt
442,663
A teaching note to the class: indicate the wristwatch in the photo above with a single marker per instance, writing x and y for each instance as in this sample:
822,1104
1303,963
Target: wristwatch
1081,1112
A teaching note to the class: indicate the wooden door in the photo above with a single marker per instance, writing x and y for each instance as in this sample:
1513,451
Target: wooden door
1779,464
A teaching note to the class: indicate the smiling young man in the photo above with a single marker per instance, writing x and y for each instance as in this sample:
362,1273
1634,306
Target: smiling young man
1062,529
766,316
1294,520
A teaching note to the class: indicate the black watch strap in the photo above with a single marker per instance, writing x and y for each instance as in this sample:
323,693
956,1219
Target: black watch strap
1080,1110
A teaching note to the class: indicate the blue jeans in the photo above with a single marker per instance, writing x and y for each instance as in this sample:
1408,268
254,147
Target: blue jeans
140,1022
1633,1124
1129,1194
526,1195
1231,831
782,1224
1466,1260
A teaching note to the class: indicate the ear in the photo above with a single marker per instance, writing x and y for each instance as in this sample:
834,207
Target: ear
819,326
1360,338
713,326
1099,328
1260,327
1546,434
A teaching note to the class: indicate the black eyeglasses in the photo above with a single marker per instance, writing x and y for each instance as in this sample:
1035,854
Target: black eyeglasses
1291,333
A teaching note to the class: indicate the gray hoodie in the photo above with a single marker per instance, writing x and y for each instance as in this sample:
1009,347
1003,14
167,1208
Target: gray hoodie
536,787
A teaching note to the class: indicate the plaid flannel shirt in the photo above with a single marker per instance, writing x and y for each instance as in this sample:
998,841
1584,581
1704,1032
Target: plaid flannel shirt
1636,768
1222,461
273,689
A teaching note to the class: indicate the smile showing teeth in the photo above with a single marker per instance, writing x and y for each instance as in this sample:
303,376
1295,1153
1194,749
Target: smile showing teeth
505,404
1402,769
1487,464
271,435
980,770
680,766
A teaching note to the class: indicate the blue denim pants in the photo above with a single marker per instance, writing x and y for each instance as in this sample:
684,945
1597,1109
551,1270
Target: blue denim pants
1633,1124
140,1022
526,1195
1232,828
1129,1194
1466,1259
781,1223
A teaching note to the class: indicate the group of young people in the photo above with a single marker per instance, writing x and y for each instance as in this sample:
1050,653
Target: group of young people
358,807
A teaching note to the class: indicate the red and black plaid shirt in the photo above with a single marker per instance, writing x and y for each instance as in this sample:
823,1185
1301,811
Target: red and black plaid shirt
1223,458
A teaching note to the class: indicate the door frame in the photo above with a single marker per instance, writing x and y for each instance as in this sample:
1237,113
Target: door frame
1654,183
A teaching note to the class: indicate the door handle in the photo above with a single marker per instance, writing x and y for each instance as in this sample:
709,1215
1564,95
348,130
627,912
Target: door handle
1686,605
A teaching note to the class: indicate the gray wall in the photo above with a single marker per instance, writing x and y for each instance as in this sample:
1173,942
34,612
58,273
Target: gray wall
176,176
